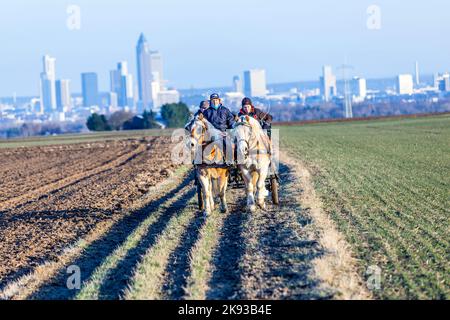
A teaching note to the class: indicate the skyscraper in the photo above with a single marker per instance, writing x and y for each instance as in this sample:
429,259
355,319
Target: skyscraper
48,85
237,84
359,88
122,85
89,83
156,62
405,84
255,83
328,83
144,72
63,97
443,82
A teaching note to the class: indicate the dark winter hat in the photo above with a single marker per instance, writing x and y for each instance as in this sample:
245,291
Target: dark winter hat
247,101
204,104
214,96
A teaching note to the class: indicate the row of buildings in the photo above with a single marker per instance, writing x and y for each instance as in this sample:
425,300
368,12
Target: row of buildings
347,91
406,84
150,93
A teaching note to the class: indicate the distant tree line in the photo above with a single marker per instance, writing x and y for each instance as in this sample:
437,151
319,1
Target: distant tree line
286,113
40,129
175,115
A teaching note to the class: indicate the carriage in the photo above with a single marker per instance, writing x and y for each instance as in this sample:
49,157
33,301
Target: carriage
220,166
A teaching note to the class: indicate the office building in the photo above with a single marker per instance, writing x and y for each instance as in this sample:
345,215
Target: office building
156,63
443,82
328,83
359,89
63,96
144,72
405,84
48,85
89,84
255,83
122,85
238,85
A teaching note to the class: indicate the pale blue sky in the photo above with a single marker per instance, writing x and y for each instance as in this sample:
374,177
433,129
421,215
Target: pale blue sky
205,42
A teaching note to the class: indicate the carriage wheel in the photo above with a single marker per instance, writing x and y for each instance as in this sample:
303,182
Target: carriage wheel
274,190
201,205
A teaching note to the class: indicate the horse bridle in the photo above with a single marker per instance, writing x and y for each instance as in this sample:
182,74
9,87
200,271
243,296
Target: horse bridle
247,154
204,129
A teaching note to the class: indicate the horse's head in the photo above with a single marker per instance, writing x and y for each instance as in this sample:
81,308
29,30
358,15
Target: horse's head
243,132
198,131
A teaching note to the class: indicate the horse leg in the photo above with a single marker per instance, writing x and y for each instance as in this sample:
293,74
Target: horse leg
205,184
248,179
262,191
255,177
211,194
223,192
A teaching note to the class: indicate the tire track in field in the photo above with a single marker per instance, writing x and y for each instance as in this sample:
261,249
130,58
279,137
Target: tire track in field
280,246
265,255
226,272
178,268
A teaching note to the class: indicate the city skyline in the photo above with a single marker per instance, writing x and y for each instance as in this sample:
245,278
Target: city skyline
133,85
108,34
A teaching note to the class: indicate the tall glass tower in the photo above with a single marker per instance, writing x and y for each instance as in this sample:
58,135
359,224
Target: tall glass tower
48,85
144,72
89,82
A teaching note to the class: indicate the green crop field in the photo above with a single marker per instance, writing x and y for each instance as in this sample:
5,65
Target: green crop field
386,184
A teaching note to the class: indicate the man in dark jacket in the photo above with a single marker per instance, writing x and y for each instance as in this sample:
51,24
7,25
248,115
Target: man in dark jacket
263,117
219,116
222,119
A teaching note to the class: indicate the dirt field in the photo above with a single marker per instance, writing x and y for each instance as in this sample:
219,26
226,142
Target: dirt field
122,213
51,196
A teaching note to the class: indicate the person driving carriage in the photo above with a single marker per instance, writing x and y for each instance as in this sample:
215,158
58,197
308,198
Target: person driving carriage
263,117
218,115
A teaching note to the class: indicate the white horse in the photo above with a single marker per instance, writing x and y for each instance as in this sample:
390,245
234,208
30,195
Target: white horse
207,152
253,159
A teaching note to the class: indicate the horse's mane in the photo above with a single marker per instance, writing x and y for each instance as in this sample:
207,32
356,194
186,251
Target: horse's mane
213,130
257,131
249,121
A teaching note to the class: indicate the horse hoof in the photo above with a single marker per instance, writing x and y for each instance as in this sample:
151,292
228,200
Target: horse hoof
262,206
252,209
224,209
205,215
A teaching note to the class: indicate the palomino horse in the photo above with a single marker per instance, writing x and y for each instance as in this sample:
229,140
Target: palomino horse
253,159
212,173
